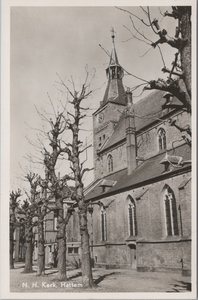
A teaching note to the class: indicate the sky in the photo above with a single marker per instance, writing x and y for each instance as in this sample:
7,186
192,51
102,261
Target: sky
65,40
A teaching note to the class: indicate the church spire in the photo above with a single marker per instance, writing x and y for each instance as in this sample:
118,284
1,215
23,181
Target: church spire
114,57
115,91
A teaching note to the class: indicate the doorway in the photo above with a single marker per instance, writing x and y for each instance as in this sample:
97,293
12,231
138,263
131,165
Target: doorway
132,248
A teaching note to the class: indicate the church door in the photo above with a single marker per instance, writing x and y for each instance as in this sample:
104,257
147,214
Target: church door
132,248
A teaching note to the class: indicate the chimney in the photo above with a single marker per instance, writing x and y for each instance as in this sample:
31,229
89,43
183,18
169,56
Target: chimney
130,133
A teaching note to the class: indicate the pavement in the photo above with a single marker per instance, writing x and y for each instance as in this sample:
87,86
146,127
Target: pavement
111,280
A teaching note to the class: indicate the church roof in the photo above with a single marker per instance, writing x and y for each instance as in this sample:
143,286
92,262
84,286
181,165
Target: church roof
149,171
114,58
147,111
115,92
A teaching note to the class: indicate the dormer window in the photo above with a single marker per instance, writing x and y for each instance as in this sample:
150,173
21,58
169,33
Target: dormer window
110,163
161,139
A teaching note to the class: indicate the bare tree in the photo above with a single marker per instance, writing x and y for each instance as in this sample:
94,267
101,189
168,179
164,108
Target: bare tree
39,202
58,187
73,150
14,203
178,82
27,213
26,220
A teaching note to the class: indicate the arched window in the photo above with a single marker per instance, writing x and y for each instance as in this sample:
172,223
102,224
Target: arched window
132,216
162,139
170,212
110,163
103,224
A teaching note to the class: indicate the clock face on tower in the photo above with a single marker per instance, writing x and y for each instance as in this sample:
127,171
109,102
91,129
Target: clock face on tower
100,117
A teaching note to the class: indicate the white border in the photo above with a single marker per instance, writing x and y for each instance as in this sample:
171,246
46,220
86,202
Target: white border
5,150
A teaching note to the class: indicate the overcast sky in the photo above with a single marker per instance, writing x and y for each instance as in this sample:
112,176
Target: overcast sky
46,40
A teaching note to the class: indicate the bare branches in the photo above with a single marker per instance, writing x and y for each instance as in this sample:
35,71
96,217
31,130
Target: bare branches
175,42
129,12
128,73
63,84
150,22
186,131
140,33
51,104
161,55
86,170
179,41
135,36
174,14
87,147
172,86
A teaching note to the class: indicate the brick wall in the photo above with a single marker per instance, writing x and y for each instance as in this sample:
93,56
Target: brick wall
161,256
102,131
148,143
151,226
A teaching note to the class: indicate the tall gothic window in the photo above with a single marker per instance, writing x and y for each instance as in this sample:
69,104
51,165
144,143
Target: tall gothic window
110,163
162,139
170,212
103,224
132,217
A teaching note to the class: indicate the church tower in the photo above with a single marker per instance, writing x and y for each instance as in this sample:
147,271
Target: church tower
111,107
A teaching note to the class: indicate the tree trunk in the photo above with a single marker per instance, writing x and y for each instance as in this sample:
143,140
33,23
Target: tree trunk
28,252
41,249
87,278
62,259
61,241
11,246
185,25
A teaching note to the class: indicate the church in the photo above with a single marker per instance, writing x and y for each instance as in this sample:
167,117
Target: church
139,211
140,200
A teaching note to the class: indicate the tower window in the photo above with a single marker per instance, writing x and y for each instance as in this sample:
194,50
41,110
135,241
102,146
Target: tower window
110,163
132,217
103,224
113,72
170,212
162,139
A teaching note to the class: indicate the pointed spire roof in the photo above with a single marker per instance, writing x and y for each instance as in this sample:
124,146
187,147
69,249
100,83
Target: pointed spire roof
115,90
114,58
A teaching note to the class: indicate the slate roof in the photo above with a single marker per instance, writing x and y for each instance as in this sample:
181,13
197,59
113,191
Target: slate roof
149,171
114,58
115,92
147,111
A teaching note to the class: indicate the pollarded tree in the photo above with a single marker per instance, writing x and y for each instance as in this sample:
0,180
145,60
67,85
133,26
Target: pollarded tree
57,186
14,204
178,82
54,187
27,212
39,205
74,150
27,221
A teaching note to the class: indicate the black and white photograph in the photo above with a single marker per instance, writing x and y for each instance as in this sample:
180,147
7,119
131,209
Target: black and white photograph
98,150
